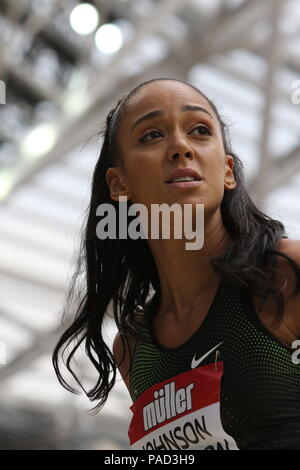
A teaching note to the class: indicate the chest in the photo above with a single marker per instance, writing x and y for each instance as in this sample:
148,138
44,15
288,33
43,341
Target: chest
171,333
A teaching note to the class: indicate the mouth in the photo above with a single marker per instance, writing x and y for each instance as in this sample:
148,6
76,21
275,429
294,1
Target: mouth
180,179
187,176
184,184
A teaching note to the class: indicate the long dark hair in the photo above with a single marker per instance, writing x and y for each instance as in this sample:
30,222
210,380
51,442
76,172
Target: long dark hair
123,271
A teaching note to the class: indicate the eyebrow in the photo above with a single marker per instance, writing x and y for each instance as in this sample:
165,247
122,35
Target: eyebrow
160,112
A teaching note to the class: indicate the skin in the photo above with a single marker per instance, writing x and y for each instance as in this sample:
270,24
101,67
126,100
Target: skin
185,275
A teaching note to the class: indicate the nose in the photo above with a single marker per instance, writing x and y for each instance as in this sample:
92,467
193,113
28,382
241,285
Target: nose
178,154
180,147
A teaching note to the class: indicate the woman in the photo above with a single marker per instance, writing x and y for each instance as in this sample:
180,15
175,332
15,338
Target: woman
210,355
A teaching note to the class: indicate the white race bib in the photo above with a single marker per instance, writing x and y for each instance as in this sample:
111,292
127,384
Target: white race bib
181,413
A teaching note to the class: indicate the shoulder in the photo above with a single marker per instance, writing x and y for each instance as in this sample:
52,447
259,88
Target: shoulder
122,352
290,248
123,349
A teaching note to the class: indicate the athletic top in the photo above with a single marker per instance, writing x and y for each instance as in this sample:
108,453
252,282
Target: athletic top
231,385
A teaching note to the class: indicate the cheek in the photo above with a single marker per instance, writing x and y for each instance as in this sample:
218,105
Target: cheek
215,164
142,181
215,170
215,177
144,170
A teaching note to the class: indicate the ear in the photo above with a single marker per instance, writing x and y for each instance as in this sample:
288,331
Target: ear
117,184
229,181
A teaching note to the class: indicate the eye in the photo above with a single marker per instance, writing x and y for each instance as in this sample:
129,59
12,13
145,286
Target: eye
148,133
205,130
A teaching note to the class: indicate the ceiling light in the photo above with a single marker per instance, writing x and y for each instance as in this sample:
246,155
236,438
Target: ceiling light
109,38
84,18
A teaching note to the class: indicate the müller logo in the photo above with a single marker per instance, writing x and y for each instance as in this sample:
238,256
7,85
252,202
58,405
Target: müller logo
168,403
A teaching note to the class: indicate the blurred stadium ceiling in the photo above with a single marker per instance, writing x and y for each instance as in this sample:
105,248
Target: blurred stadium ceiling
59,87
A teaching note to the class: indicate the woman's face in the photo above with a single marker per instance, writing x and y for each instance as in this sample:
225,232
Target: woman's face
152,148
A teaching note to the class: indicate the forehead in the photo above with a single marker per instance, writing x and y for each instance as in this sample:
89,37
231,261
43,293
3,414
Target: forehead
163,95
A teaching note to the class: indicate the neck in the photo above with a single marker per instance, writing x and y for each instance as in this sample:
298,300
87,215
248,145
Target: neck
185,275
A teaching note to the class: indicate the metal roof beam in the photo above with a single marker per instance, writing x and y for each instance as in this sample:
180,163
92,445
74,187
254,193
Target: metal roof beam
282,170
273,60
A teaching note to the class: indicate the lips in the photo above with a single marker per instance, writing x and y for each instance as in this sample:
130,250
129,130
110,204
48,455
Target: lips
181,172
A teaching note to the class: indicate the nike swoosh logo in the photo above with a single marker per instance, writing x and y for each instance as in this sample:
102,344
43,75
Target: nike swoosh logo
196,362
